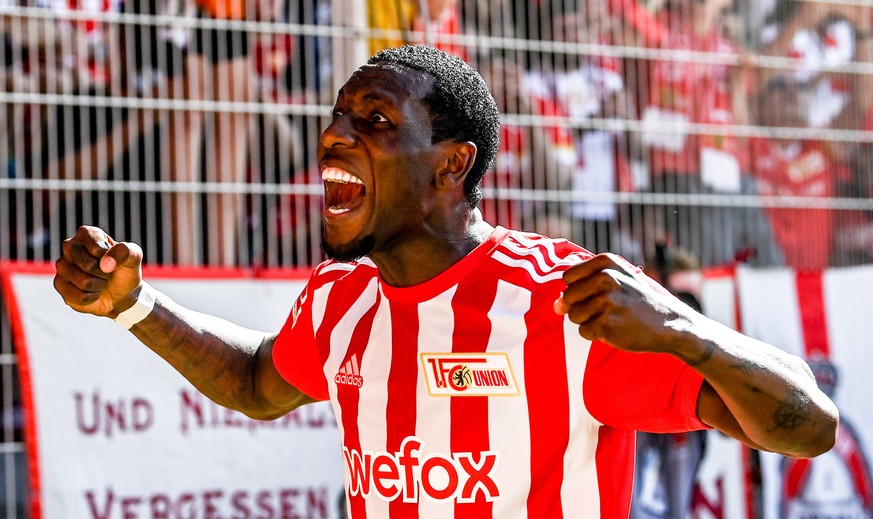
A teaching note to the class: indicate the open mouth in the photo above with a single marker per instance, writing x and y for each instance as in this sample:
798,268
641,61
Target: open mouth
343,192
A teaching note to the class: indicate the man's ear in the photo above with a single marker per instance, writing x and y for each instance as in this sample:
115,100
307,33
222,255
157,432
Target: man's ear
459,160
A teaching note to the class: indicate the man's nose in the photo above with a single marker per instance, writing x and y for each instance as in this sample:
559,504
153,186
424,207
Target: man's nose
338,133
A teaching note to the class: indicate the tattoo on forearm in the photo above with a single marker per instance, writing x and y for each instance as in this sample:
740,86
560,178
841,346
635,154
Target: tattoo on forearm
791,414
744,367
705,356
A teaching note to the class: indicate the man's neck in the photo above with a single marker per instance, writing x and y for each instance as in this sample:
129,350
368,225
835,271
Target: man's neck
418,260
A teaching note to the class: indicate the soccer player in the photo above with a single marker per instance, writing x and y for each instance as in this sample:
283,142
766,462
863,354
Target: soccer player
474,371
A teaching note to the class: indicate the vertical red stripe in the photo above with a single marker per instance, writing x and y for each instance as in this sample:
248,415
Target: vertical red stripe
348,398
748,482
469,430
738,314
548,401
810,300
402,381
614,458
24,372
337,304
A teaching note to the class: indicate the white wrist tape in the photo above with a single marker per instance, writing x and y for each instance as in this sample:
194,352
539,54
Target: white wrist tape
141,308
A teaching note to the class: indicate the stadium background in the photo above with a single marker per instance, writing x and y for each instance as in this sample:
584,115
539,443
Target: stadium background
102,108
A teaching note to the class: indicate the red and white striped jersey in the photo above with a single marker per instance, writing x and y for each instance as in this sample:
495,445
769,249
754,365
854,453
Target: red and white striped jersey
468,396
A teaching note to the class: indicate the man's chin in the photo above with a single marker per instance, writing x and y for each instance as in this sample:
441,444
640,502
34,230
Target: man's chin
352,251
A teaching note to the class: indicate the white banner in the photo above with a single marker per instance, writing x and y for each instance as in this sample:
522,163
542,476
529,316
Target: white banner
828,319
117,434
723,488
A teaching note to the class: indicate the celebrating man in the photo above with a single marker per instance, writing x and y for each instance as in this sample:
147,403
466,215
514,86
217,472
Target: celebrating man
474,371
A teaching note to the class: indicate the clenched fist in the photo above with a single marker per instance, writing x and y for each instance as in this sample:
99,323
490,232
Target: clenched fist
97,275
613,301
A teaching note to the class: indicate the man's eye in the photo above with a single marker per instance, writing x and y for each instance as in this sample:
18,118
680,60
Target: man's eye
336,113
378,118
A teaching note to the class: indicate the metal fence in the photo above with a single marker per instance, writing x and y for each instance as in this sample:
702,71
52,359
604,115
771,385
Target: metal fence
737,131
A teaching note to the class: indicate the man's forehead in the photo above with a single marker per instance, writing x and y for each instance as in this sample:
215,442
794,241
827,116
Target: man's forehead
390,76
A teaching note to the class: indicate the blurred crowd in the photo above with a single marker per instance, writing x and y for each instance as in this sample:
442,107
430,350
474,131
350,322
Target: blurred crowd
737,130
729,139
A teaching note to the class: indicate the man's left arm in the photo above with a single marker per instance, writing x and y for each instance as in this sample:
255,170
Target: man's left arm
752,391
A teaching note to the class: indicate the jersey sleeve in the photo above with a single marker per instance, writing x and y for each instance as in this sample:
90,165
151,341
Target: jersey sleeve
652,392
295,352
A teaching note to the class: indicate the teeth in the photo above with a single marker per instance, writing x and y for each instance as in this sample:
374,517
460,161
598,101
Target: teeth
337,210
331,174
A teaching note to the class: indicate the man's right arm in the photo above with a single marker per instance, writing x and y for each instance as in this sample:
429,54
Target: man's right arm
230,364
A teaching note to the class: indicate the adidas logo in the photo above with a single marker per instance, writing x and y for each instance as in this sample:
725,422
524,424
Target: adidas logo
349,374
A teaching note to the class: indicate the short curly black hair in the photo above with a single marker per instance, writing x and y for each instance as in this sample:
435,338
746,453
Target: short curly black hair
461,105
